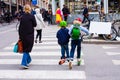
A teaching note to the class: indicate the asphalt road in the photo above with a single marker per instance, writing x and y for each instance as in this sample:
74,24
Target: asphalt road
99,61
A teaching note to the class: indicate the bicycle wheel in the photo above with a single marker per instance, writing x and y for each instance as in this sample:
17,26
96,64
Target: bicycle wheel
119,32
116,25
112,35
17,25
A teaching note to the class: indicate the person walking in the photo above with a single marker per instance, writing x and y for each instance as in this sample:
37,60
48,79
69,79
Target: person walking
85,14
26,35
63,40
40,25
49,17
66,12
58,15
75,32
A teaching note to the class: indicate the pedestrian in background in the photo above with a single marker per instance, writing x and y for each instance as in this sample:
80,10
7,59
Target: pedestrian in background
58,15
63,40
85,14
49,17
45,15
40,25
33,11
75,33
66,12
26,34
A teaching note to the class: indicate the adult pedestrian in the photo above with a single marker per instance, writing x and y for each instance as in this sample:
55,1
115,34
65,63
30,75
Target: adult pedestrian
33,11
58,15
26,34
66,12
40,25
19,14
85,14
75,32
63,40
49,16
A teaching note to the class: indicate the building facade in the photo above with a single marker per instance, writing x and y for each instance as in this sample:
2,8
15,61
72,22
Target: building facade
76,6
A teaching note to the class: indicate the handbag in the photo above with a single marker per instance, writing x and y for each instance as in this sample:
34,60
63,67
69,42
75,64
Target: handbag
15,49
20,46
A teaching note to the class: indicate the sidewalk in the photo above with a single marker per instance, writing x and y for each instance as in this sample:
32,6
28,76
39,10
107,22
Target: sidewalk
94,40
97,40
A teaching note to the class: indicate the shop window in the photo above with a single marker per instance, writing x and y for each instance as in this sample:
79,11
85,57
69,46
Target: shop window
75,6
114,6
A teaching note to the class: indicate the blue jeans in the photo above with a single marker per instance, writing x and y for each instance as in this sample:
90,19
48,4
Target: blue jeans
64,48
75,43
26,59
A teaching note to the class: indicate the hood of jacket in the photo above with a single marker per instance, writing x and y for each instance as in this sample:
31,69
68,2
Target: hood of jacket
37,10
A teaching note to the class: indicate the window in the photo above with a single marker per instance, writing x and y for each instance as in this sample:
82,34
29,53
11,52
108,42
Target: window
75,6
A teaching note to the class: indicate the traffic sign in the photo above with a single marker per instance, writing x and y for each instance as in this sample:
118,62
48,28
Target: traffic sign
34,2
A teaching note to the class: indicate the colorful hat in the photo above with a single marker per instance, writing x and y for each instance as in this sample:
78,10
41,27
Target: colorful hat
76,22
63,23
78,19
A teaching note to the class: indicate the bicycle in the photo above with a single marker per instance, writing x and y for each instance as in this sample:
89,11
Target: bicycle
3,21
115,28
109,18
115,31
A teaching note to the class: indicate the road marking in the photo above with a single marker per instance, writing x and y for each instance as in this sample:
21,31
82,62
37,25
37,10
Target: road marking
36,47
116,62
56,53
51,53
41,74
43,43
113,53
37,61
5,31
108,47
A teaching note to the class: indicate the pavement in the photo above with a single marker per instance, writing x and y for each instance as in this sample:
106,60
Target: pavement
95,39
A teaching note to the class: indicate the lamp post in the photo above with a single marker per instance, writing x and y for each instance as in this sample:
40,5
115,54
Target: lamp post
17,5
106,6
10,6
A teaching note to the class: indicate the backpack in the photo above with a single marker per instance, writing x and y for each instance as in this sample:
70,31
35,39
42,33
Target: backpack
75,33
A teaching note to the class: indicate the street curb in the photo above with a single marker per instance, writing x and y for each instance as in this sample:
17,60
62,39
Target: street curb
100,42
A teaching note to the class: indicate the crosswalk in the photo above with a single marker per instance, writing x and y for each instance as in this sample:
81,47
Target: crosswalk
44,65
113,53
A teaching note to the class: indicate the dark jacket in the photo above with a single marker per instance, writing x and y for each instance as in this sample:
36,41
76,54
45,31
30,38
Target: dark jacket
26,31
85,12
63,36
65,11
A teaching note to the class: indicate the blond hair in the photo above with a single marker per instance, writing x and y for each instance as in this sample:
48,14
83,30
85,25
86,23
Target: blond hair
27,8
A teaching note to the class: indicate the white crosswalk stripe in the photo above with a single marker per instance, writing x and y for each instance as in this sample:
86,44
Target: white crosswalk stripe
53,75
114,61
108,47
44,65
113,53
36,61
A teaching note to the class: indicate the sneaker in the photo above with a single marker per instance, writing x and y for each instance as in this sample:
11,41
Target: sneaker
61,61
67,59
70,65
79,62
25,67
40,41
